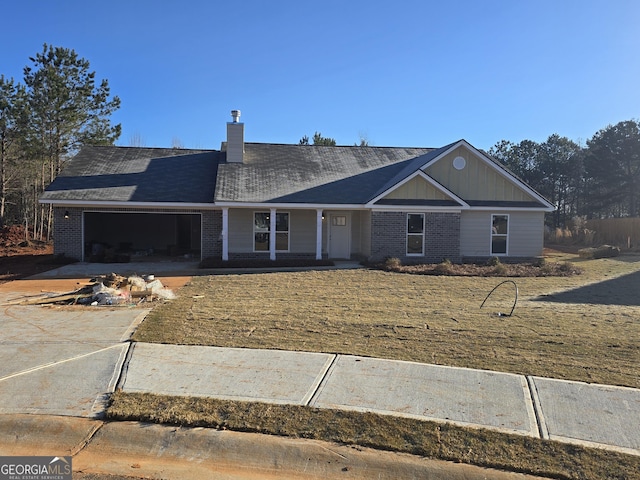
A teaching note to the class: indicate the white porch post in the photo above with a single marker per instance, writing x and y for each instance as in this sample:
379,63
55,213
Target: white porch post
272,234
225,234
319,234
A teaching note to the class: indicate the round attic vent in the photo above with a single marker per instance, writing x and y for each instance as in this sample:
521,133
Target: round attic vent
459,163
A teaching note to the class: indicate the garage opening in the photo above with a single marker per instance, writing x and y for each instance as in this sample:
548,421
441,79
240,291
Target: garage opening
119,237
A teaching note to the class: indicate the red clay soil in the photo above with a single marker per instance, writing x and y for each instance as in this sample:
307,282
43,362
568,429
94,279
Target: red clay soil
21,257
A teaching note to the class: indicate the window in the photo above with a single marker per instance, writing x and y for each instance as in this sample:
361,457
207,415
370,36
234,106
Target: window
499,234
339,220
415,234
261,226
282,232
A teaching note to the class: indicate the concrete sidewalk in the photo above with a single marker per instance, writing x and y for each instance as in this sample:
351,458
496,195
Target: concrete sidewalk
595,415
59,365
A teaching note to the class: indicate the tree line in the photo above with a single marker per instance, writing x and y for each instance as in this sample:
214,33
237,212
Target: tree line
58,107
599,180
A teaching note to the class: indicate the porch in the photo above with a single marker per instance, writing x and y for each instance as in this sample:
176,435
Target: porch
294,233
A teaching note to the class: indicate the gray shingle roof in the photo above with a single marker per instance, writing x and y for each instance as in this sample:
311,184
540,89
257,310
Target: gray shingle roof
133,174
271,173
310,174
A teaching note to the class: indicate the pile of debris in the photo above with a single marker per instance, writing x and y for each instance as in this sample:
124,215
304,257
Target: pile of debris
111,289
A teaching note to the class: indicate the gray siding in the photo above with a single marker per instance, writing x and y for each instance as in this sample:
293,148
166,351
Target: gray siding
365,222
526,234
302,230
525,239
241,230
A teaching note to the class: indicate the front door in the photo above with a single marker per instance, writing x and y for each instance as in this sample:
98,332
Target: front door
339,235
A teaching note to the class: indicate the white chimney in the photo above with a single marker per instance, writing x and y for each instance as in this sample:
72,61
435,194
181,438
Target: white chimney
235,139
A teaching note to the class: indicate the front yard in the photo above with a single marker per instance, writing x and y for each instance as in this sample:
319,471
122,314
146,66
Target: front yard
584,327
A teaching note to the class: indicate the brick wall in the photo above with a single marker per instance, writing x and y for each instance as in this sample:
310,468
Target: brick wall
389,237
265,256
212,234
67,232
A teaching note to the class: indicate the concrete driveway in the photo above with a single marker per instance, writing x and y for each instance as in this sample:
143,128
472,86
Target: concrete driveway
61,360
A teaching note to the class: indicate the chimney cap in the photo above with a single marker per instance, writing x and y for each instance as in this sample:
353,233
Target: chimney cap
235,114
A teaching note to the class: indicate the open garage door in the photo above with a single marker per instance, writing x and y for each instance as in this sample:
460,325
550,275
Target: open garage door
125,235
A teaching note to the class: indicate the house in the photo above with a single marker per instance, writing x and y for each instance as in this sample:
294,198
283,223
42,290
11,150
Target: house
273,201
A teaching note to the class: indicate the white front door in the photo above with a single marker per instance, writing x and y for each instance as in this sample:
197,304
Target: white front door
339,235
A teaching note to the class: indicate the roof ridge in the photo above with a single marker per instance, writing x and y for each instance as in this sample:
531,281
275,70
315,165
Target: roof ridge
340,146
153,148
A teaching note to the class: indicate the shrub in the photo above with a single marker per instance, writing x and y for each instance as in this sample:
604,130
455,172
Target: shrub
566,267
493,262
604,251
443,267
392,262
500,269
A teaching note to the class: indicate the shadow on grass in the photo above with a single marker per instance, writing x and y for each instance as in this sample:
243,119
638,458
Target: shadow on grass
624,290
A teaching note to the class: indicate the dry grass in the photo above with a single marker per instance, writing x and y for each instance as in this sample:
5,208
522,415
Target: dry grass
623,232
430,439
584,327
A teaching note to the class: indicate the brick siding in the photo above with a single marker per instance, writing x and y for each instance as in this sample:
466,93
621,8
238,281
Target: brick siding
212,234
67,232
265,256
389,237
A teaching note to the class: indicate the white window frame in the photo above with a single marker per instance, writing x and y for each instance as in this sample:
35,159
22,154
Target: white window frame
501,235
413,234
267,232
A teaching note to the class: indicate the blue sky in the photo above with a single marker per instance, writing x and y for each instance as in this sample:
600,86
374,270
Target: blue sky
402,73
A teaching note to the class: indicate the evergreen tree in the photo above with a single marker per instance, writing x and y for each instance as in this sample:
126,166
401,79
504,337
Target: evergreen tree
67,109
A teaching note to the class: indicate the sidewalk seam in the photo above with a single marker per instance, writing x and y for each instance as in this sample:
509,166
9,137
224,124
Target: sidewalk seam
537,408
122,378
322,382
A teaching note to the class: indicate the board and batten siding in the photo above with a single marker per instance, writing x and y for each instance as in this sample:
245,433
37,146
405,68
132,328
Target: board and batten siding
477,180
526,233
417,188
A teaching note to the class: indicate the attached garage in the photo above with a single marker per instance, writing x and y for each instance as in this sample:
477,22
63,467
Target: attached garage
138,234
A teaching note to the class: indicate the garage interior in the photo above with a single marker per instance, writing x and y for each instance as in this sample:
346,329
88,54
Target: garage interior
119,237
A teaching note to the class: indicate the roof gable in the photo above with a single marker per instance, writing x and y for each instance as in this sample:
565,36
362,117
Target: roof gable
479,180
419,189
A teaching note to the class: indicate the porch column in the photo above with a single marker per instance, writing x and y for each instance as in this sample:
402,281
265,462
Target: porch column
272,234
225,234
319,234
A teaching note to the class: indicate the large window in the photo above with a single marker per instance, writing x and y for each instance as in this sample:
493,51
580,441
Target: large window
499,234
261,225
415,234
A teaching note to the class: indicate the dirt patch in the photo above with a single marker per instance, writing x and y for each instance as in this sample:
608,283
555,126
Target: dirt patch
20,257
